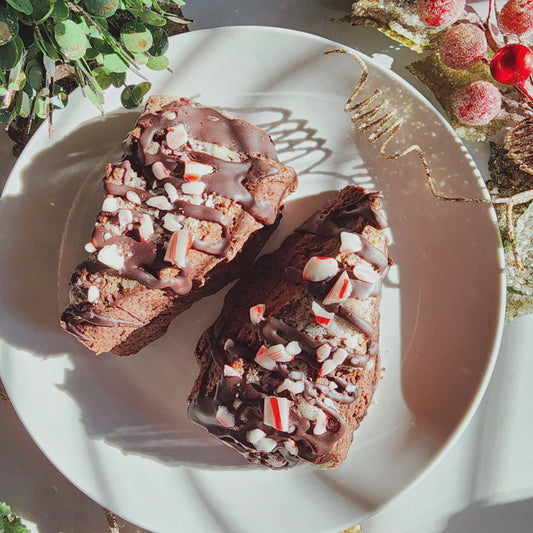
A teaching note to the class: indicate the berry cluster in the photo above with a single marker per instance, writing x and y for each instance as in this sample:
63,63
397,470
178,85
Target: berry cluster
465,43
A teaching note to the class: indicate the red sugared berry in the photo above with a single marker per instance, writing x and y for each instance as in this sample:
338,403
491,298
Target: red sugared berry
512,64
516,17
440,13
476,103
463,46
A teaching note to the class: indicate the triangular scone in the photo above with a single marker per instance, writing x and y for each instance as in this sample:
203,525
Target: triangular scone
185,212
289,368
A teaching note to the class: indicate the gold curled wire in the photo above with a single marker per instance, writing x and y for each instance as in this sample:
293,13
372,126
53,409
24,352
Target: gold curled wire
376,114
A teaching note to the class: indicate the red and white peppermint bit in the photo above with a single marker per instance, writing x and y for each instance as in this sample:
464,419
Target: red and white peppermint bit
193,187
276,412
291,446
296,387
228,344
263,360
170,115
296,374
153,148
365,272
194,170
110,204
178,247
350,388
176,136
322,316
266,445
171,191
93,294
328,366
321,423
339,356
146,228
230,372
255,435
340,291
293,348
111,256
133,197
225,417
90,248
320,268
322,352
278,353
257,313
160,171
125,217
159,202
350,242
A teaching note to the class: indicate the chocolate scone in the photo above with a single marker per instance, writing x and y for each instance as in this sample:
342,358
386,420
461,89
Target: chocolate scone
186,210
288,369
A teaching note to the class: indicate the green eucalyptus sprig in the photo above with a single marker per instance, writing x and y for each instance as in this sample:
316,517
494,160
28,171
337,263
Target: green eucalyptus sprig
47,47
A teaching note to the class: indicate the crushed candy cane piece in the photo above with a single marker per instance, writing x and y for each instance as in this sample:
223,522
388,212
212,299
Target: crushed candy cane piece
350,242
322,316
341,290
153,148
170,115
159,202
125,217
90,248
176,136
255,435
93,294
365,272
291,446
228,344
320,268
133,197
296,374
193,187
293,348
322,352
350,388
328,366
178,247
160,171
296,387
146,228
276,412
263,360
110,204
172,222
230,372
225,417
257,313
266,445
278,353
111,256
339,356
194,170
171,191
321,423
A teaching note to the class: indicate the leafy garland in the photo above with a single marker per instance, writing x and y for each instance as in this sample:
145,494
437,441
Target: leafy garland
48,47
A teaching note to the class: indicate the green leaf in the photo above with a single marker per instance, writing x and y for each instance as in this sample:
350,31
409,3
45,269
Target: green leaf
9,523
114,63
48,48
9,26
158,63
100,8
42,9
141,59
160,45
25,105
71,39
24,6
41,107
154,19
10,53
60,11
132,95
35,74
136,37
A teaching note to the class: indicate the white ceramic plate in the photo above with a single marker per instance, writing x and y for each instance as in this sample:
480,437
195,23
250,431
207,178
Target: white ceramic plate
117,427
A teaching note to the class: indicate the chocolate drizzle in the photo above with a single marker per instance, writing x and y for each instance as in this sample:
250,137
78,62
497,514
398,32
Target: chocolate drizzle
306,381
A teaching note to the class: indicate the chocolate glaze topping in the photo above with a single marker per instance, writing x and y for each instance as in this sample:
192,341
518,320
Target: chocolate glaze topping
242,397
154,169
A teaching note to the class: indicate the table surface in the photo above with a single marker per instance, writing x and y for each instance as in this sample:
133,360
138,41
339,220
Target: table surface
485,483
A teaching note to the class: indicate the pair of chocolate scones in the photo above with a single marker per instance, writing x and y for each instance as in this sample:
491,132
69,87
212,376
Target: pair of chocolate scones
288,369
